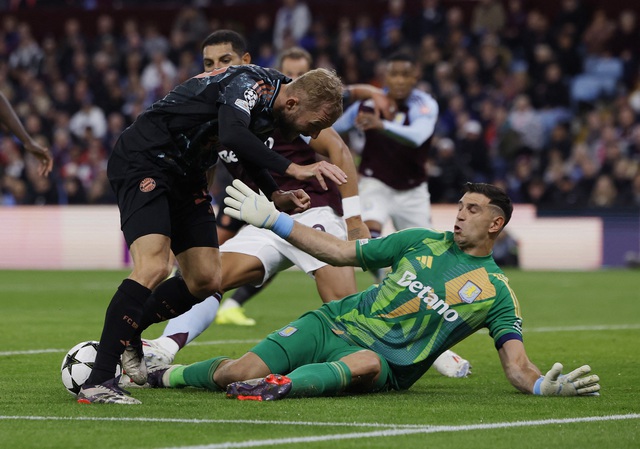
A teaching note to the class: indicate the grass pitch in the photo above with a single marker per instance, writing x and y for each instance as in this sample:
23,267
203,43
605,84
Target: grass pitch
574,318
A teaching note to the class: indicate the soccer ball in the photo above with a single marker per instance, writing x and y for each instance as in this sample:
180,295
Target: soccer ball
77,365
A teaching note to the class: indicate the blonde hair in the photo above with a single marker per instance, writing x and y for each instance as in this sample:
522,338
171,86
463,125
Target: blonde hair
321,90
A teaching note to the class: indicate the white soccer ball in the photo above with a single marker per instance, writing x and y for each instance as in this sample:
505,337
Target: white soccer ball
77,365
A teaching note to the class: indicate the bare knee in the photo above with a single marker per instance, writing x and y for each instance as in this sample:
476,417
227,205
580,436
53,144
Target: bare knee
365,367
203,285
249,366
151,273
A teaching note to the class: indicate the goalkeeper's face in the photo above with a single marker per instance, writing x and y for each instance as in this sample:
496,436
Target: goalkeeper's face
477,224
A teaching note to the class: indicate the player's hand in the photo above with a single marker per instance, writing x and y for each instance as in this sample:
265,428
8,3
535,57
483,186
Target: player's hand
42,154
356,229
319,170
293,201
575,383
245,204
383,105
368,121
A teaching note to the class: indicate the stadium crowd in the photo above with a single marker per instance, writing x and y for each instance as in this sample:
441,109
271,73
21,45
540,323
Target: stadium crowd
545,106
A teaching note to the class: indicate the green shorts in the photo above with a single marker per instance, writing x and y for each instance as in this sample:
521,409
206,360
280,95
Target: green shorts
304,341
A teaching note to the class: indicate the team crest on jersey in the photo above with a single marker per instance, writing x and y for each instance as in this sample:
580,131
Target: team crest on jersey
147,185
288,331
469,292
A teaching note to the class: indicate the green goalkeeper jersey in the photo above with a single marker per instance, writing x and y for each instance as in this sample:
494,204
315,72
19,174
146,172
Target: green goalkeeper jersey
435,296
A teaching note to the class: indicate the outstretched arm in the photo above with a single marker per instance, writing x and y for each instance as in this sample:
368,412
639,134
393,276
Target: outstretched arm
526,377
9,118
244,204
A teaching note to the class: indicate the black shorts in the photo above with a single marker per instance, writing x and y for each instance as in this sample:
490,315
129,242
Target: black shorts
221,179
153,200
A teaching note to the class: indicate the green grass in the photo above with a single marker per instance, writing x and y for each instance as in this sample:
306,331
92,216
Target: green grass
574,318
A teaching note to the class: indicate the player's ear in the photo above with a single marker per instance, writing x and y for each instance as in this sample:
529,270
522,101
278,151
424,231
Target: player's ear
497,223
246,59
292,103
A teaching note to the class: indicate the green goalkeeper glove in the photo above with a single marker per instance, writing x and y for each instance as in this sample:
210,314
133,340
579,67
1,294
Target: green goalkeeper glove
573,384
246,205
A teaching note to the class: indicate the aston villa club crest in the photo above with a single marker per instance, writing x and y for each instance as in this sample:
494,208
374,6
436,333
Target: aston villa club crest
469,292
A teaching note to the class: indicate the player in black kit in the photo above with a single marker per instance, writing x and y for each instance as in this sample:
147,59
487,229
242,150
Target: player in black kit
158,172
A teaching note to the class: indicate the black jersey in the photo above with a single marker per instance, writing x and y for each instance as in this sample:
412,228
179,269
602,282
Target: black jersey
181,130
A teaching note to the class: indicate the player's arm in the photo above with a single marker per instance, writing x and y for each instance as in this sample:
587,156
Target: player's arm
244,204
382,104
9,118
330,144
423,116
526,377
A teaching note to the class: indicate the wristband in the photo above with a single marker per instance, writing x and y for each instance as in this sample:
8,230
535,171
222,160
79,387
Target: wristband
536,386
351,207
283,226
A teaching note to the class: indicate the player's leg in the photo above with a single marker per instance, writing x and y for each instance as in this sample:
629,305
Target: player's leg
335,283
376,203
231,310
182,329
150,254
145,218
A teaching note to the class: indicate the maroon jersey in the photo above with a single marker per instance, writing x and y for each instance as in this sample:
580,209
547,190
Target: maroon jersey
399,166
301,153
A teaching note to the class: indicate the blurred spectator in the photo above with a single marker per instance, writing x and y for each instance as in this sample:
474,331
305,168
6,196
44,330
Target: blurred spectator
27,56
505,250
574,14
158,76
604,193
525,121
511,72
446,173
88,121
488,16
293,20
428,22
515,20
192,23
598,34
261,33
473,154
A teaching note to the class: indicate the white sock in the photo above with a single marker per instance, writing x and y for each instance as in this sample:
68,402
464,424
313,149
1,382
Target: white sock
195,321
229,303
168,344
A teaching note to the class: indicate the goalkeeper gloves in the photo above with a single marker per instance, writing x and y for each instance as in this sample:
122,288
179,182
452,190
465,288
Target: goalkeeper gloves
576,383
245,204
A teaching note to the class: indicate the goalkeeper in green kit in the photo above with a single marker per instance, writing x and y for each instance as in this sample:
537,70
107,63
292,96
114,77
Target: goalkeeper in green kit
443,287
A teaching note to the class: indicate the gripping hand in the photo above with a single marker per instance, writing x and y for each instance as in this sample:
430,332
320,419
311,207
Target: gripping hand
245,204
575,383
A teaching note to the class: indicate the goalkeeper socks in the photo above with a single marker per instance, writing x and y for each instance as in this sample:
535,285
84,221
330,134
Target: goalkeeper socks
198,374
319,379
121,325
170,299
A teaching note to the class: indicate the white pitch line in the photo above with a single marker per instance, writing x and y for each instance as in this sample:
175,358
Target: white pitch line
209,421
592,328
396,432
